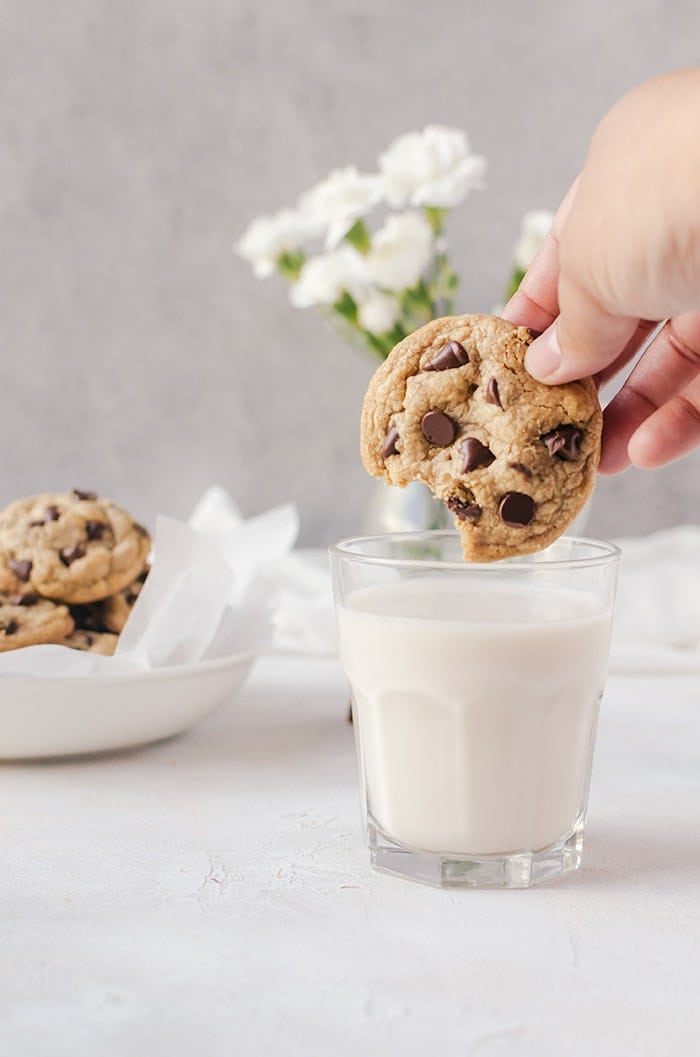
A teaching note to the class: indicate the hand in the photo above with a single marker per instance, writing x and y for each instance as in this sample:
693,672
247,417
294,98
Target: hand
624,254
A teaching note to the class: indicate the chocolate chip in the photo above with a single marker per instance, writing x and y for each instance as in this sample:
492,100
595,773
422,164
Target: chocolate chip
564,442
9,626
71,554
463,509
438,428
24,600
451,355
79,494
389,447
492,394
87,618
516,509
475,454
51,513
95,529
21,569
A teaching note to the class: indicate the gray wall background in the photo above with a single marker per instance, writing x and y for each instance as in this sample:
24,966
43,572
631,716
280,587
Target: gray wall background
140,357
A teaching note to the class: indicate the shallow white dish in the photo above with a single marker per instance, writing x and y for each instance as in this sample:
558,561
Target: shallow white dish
42,717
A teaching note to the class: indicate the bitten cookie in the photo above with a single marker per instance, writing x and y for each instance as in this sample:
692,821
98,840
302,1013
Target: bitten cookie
27,620
513,459
69,546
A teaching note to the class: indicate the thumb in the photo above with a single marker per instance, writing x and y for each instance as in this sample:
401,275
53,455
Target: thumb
583,340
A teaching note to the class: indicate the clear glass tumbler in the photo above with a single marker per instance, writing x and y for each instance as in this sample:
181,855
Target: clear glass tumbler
476,691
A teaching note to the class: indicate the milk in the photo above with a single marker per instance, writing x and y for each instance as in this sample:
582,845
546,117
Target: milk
475,709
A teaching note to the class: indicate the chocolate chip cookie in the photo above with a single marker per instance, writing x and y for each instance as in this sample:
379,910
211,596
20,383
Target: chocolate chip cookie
513,459
103,642
109,614
27,620
69,546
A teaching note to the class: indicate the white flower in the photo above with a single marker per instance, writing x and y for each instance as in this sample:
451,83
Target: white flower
268,236
323,279
334,204
534,228
400,251
378,312
434,167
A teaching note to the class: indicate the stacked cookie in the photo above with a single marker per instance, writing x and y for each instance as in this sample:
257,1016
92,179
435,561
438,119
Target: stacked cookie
71,568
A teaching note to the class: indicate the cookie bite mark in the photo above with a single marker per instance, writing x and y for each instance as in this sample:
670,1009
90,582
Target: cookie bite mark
438,428
517,509
450,356
564,442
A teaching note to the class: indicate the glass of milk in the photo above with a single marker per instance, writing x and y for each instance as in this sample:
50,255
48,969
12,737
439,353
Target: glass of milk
476,691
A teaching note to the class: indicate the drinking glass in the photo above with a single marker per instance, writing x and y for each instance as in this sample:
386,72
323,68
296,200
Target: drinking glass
476,690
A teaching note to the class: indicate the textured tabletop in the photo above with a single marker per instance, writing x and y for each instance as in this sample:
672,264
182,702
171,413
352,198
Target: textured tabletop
212,894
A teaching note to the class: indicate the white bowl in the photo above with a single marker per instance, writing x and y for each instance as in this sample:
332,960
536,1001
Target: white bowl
42,717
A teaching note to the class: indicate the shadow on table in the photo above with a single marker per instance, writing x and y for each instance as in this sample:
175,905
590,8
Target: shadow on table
300,739
613,856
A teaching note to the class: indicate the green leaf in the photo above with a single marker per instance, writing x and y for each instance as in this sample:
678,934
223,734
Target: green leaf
290,263
359,237
346,307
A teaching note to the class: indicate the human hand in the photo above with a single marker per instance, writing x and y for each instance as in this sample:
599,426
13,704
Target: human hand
624,254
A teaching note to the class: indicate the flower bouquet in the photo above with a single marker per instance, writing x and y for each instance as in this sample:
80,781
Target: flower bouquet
368,249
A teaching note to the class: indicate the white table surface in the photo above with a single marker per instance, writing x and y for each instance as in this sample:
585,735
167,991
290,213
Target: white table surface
212,895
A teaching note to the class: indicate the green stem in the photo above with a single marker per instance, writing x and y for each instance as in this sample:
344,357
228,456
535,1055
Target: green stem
436,218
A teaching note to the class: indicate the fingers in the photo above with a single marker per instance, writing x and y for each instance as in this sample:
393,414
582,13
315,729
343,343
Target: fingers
654,418
670,432
585,340
535,303
642,334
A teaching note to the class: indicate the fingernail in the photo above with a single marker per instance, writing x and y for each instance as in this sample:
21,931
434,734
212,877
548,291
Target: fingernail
543,357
